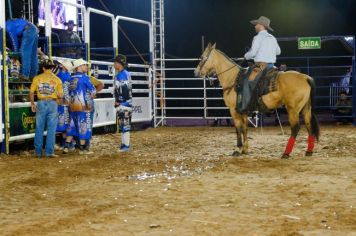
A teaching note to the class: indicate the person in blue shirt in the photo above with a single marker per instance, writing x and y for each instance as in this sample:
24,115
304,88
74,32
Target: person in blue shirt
123,100
29,41
80,107
65,68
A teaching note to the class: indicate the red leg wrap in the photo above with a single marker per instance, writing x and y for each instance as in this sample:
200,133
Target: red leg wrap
311,140
290,145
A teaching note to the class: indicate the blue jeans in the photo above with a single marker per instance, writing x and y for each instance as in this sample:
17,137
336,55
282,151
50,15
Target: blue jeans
46,114
269,66
28,51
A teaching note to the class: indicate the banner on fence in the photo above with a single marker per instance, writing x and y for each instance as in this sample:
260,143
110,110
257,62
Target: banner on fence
23,121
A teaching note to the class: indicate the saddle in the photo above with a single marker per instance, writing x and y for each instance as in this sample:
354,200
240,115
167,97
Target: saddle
255,83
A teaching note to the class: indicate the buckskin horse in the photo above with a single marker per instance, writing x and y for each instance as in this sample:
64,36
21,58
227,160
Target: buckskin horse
293,89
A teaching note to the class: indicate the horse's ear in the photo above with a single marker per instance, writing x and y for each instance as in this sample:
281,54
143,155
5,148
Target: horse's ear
214,45
209,45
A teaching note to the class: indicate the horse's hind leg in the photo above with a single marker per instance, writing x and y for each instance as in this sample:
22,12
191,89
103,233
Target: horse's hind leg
308,123
293,118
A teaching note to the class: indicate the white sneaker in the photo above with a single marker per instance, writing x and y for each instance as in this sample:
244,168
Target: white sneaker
52,155
65,150
85,152
88,152
57,147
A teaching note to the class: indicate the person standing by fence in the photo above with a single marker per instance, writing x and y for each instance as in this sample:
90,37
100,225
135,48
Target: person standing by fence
70,37
49,89
81,92
123,100
63,107
345,82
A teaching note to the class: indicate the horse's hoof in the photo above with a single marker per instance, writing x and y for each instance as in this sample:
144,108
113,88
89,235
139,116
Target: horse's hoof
236,153
244,152
308,154
285,156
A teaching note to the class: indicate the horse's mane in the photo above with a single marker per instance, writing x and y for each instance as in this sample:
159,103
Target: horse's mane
227,57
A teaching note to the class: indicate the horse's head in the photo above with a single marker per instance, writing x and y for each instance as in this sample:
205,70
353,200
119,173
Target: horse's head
206,65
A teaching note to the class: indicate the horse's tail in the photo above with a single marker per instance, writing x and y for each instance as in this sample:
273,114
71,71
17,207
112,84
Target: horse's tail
315,129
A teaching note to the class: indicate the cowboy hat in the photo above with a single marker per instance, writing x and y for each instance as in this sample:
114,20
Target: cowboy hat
67,64
70,22
262,21
79,62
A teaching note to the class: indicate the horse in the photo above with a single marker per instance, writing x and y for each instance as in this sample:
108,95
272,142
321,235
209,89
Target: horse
293,89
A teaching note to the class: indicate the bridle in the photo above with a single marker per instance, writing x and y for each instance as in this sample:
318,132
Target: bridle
204,60
238,77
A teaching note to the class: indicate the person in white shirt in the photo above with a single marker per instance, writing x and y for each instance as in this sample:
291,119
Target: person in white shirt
264,47
345,81
263,51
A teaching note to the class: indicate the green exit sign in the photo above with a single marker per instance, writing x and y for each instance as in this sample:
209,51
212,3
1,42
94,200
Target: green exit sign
309,43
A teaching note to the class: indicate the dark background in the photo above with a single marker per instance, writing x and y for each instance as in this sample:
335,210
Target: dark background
225,22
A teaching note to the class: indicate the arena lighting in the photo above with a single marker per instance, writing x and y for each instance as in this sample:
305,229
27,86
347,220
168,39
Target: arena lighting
349,39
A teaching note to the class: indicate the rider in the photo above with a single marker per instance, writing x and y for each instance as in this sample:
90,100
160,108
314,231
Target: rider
263,51
265,47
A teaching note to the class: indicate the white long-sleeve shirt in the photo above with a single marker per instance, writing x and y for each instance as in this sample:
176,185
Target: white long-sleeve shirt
264,48
345,82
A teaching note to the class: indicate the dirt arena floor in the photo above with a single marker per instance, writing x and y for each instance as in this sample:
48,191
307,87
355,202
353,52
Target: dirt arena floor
183,181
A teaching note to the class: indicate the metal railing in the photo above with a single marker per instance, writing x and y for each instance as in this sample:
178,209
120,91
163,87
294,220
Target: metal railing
187,97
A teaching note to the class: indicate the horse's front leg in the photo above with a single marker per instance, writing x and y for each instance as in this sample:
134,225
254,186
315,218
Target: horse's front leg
238,149
244,134
240,144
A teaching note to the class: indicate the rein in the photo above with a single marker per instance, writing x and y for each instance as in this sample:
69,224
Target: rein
237,80
226,70
238,77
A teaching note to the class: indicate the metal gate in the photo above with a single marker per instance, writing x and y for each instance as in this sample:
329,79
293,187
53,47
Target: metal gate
181,96
19,112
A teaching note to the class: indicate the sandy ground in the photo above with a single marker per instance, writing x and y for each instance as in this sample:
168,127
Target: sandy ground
183,181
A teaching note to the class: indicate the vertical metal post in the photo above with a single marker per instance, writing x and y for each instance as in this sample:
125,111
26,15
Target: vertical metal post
6,82
157,14
87,34
353,82
48,26
205,102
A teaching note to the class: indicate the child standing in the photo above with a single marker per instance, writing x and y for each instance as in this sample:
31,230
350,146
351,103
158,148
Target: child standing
123,100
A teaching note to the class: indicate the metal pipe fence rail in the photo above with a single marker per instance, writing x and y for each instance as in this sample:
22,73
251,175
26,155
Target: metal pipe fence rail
187,97
327,72
22,123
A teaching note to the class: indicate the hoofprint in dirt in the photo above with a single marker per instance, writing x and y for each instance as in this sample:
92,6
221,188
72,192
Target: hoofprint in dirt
183,181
